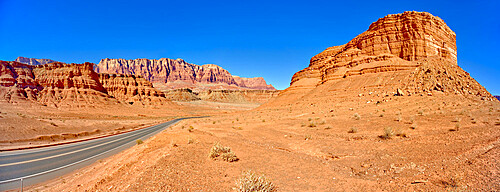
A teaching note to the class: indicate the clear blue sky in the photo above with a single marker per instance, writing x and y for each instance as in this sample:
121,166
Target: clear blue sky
272,39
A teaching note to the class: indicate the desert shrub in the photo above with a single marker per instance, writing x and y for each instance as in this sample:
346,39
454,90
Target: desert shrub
388,133
307,137
456,128
191,128
263,120
322,122
213,122
401,133
357,116
250,182
353,130
381,115
310,119
421,112
413,126
312,124
190,140
224,153
138,141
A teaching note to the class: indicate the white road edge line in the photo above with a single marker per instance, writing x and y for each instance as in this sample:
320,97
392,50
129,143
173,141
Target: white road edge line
54,156
62,167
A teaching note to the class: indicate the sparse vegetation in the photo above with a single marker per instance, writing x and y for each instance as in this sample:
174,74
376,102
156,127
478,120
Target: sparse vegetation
213,122
224,153
353,130
307,137
401,133
456,128
263,120
312,124
388,133
421,112
250,182
138,141
413,126
191,128
53,124
381,115
190,140
357,116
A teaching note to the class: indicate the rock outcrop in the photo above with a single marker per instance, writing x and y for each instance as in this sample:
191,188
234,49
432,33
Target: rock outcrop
132,89
71,85
253,83
17,81
33,61
224,96
173,74
417,44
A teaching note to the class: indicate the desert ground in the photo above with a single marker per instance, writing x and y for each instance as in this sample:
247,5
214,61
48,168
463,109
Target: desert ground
322,143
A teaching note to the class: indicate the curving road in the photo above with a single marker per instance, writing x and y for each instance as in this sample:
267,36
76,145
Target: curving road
38,165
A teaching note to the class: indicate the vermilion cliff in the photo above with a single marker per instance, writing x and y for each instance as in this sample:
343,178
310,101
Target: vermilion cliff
179,74
71,85
418,46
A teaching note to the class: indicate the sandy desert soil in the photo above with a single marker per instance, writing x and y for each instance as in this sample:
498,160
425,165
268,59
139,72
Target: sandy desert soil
28,124
437,144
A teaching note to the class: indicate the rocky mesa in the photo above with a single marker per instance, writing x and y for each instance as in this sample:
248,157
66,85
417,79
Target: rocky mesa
71,85
418,48
173,74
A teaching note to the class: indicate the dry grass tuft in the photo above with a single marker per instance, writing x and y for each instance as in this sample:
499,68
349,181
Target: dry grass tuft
249,182
357,116
353,130
224,153
312,124
388,133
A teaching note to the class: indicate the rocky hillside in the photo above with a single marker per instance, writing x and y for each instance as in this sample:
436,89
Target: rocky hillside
225,96
132,89
71,85
173,74
33,61
419,48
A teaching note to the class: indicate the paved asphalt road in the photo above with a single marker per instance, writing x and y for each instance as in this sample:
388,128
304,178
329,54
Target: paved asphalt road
38,165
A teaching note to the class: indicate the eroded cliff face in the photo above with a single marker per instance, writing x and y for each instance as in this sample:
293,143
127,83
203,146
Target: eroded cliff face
253,83
71,85
33,61
420,47
173,74
17,81
132,89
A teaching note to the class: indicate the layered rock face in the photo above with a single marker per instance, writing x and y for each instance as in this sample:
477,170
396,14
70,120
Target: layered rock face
71,85
17,81
174,72
132,89
417,45
33,61
253,83
225,96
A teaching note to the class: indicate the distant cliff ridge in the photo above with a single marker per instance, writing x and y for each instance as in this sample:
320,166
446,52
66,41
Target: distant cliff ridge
33,61
172,74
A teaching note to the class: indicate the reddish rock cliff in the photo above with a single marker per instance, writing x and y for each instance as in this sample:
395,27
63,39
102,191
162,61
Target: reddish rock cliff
72,85
132,89
176,73
33,61
418,44
253,83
